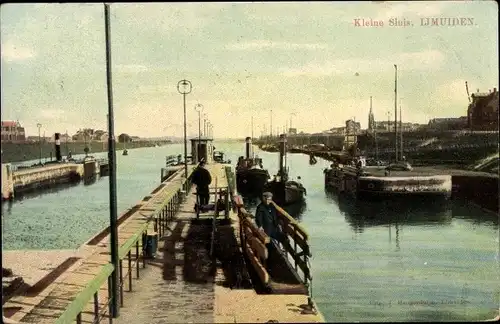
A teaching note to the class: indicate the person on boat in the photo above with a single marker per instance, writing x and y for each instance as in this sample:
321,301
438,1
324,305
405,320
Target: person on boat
202,179
266,217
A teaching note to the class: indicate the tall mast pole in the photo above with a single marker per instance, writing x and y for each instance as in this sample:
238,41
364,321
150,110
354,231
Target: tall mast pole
396,112
112,172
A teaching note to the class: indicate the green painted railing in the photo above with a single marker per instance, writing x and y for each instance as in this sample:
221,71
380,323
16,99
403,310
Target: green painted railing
80,302
161,215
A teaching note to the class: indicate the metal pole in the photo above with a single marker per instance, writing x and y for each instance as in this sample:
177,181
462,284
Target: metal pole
112,172
271,130
205,126
252,129
185,140
67,143
400,130
39,144
185,90
396,112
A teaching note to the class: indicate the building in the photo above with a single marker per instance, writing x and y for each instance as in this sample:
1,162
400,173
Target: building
63,138
337,131
89,134
12,131
388,126
446,124
292,131
352,127
482,113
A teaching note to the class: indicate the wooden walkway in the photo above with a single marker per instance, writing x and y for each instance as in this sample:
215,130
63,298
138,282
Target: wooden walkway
183,285
48,305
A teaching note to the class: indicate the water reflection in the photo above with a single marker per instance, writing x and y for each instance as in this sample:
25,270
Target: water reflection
296,210
360,214
39,193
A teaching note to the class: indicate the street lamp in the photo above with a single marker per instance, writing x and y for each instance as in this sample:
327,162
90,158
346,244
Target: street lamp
184,87
199,109
205,125
39,143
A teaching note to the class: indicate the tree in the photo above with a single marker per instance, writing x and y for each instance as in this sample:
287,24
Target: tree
124,138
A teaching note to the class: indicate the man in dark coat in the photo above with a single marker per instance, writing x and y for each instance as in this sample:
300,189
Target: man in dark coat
202,179
266,216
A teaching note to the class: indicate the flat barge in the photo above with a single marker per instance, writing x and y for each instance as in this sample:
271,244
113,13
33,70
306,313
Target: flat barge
480,188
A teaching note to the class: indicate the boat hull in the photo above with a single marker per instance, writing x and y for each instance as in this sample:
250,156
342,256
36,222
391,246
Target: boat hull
251,182
285,193
366,187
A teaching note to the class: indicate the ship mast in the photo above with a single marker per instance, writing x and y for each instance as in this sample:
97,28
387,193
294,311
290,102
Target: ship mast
396,112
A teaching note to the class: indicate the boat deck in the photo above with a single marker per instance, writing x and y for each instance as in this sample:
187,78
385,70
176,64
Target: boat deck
426,172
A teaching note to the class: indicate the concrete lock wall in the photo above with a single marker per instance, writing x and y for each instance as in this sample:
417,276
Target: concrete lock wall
17,152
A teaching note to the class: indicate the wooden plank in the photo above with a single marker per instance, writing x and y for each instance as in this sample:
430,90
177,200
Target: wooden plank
298,238
248,232
302,265
259,249
261,235
284,215
259,268
83,298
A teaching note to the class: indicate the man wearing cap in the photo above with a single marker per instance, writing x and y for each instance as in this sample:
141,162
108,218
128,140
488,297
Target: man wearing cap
265,216
202,179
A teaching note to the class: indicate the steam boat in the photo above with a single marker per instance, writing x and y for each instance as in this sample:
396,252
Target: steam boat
285,191
251,176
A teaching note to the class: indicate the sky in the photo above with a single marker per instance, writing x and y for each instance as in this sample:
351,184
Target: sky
307,62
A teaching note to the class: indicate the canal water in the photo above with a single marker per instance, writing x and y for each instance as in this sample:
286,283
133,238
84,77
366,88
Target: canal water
371,262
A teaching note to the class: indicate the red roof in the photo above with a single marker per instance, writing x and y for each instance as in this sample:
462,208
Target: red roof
9,123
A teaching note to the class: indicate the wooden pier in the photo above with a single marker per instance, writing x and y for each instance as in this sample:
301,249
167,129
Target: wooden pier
185,282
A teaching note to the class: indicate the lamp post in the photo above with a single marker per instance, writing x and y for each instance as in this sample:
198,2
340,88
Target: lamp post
184,87
199,109
39,143
291,115
204,124
113,227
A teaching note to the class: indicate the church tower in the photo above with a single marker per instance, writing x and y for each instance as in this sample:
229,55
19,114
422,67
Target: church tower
371,118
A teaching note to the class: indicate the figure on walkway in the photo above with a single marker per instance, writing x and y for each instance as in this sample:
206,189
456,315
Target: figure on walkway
266,216
202,179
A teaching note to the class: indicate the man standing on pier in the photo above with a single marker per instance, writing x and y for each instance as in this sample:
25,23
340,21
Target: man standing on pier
266,217
202,179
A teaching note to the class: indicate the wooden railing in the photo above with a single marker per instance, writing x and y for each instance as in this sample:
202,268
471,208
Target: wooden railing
160,217
295,243
253,240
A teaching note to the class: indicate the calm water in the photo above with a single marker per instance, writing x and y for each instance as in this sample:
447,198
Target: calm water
376,262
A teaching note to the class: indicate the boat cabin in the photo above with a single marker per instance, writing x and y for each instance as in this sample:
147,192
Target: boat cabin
202,148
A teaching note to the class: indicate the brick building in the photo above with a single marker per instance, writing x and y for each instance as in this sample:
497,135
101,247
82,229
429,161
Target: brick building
12,131
482,113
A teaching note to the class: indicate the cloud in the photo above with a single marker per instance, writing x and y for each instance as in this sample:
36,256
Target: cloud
425,60
454,91
130,68
263,44
12,52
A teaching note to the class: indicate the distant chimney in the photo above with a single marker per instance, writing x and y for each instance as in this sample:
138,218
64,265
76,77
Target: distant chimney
477,90
494,90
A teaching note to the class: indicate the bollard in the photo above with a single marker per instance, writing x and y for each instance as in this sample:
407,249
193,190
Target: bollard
57,137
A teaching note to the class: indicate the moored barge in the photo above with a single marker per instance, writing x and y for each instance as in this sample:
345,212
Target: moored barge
379,182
